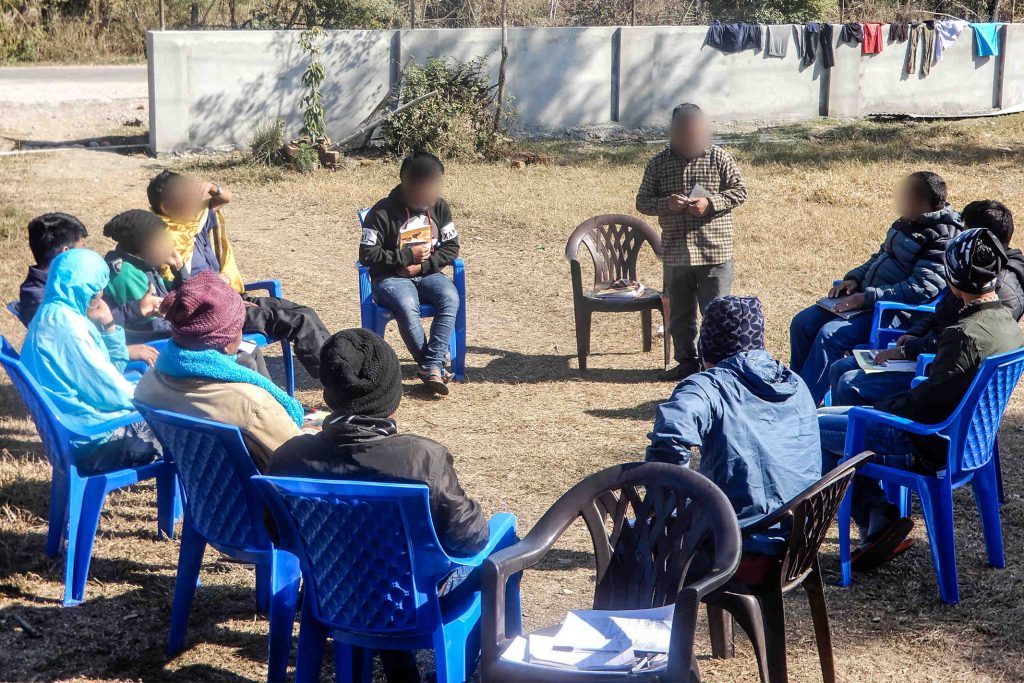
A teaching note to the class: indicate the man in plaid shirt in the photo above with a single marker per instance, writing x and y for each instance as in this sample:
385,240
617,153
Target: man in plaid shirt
692,187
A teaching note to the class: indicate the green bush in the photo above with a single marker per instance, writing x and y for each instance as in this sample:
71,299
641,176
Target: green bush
306,159
266,143
457,122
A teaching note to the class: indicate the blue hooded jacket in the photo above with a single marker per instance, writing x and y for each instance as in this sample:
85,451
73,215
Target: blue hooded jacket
756,426
78,368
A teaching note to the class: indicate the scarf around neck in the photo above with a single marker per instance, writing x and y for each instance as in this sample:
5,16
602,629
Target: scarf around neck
212,364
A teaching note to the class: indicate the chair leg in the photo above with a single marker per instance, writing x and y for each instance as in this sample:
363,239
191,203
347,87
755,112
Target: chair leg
93,495
667,336
264,574
284,589
513,606
288,361
985,485
843,519
746,611
584,318
451,652
352,663
58,513
646,321
937,507
167,500
774,617
190,559
999,470
309,658
819,615
721,628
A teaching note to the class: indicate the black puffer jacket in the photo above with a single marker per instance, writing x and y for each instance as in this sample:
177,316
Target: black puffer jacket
908,267
371,449
1009,287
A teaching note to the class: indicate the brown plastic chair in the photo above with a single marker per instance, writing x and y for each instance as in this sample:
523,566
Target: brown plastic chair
614,242
758,606
647,521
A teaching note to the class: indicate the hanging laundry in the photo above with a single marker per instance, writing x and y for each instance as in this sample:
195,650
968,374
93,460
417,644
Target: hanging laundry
898,32
812,31
922,35
828,57
947,32
872,44
778,40
798,41
852,32
986,39
733,37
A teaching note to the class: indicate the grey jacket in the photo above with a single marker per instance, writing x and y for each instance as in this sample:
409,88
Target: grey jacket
908,267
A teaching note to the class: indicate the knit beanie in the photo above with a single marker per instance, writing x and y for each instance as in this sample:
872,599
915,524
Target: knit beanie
133,229
360,374
731,325
973,261
204,313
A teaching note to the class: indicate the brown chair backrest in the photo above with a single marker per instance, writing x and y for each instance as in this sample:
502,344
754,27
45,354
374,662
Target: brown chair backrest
614,242
808,518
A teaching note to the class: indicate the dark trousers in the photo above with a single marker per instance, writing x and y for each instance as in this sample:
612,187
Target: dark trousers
134,445
692,288
280,319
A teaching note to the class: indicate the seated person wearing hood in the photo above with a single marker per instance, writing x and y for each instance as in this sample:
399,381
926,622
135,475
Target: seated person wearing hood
984,328
76,353
907,268
751,417
360,440
48,236
851,386
197,373
191,211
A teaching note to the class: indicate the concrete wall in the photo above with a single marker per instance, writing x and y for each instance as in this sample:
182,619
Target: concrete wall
208,88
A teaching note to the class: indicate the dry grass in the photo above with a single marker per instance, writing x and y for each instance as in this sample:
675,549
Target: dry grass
527,425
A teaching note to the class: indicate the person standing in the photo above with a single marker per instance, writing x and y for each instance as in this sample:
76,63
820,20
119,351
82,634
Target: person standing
692,186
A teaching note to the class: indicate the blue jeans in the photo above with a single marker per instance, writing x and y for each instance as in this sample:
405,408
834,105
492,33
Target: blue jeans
817,339
403,295
892,447
851,386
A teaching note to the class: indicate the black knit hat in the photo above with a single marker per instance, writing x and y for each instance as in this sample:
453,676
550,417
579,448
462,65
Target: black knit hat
360,374
133,229
973,260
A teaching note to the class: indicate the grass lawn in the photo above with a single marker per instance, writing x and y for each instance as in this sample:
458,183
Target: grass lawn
527,425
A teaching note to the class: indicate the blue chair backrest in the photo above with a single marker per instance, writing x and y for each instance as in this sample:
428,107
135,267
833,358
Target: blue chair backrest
369,553
216,471
361,215
14,308
55,436
973,435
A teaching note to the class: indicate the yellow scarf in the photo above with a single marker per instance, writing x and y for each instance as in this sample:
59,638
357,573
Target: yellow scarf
184,237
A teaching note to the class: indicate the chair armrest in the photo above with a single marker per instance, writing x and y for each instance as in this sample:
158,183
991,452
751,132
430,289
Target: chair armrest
502,528
272,287
860,417
923,361
459,275
917,380
909,308
110,425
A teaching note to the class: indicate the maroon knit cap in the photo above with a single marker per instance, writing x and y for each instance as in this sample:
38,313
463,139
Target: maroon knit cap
204,313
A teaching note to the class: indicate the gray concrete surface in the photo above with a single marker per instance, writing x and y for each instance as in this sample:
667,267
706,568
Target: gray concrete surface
210,88
57,84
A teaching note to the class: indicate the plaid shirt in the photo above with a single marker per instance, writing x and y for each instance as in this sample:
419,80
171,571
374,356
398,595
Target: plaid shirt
693,240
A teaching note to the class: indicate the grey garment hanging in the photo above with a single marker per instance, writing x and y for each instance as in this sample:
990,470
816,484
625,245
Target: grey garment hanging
778,40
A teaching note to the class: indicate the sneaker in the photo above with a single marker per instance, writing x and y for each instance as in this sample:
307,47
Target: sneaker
680,372
435,381
884,547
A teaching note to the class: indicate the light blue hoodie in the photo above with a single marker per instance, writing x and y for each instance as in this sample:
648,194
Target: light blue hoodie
78,368
756,426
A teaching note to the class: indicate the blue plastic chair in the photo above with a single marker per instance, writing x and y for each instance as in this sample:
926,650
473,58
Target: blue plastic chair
76,499
882,332
223,509
971,431
372,564
376,318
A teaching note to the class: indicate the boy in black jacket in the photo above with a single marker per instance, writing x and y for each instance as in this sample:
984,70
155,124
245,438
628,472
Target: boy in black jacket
408,239
48,235
360,440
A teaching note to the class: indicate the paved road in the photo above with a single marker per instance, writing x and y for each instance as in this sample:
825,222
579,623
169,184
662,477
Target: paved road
58,84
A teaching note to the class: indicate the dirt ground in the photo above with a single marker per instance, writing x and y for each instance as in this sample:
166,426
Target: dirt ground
527,425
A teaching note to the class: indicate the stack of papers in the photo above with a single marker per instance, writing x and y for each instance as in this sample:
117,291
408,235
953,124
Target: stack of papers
866,361
621,290
598,640
829,304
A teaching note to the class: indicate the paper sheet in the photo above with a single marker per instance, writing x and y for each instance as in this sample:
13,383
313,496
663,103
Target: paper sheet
648,630
866,361
698,192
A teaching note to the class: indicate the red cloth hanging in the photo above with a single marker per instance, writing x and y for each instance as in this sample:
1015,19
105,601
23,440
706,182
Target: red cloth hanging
872,44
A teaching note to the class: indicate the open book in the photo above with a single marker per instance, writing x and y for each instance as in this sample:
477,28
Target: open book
416,231
866,361
829,304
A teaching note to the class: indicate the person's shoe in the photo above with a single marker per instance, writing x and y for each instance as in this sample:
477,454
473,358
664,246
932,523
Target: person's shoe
435,381
679,372
884,546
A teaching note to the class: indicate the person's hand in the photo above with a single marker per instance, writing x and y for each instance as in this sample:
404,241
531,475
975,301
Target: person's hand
410,271
208,189
902,341
420,252
99,312
149,304
698,207
851,303
175,261
678,203
843,288
143,352
883,357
